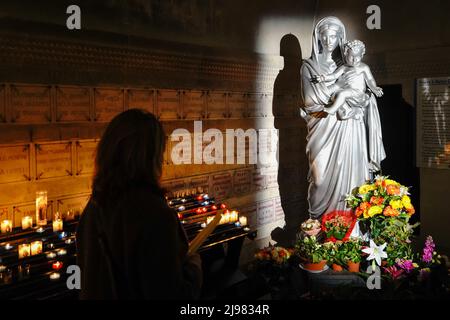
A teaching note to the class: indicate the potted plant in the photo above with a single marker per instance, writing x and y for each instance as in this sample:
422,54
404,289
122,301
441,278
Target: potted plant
335,255
352,254
311,253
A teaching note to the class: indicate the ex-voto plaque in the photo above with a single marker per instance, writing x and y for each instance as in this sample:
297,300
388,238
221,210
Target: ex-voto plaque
53,160
141,99
108,104
2,104
217,105
85,155
72,104
194,105
30,104
237,102
14,163
168,104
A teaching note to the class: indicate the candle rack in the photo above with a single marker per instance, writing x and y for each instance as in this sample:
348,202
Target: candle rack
41,273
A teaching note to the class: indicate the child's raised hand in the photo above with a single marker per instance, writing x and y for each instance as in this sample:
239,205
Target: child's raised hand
378,92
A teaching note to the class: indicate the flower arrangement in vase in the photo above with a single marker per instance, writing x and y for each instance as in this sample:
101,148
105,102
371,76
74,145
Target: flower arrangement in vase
384,207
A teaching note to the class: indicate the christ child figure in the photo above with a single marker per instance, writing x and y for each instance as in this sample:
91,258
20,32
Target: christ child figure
354,90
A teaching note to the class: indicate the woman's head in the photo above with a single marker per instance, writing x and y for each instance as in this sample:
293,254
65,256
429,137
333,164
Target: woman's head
329,34
129,154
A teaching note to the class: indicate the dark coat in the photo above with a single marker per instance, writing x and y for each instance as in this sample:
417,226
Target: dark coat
148,248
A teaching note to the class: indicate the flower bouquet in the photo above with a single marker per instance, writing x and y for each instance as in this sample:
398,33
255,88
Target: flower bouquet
338,225
384,207
335,255
275,255
311,227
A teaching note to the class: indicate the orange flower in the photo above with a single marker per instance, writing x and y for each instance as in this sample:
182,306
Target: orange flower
376,200
390,212
358,212
393,190
411,211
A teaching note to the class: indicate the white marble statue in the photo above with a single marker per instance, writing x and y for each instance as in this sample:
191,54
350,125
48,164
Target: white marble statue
343,147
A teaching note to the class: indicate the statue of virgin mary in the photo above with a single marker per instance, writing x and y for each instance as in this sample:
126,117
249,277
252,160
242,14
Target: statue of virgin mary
342,154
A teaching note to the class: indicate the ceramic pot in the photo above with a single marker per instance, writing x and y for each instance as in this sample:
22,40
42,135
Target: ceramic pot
353,266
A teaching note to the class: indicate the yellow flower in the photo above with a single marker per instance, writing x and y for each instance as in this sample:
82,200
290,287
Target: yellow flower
365,188
406,201
389,182
374,210
396,204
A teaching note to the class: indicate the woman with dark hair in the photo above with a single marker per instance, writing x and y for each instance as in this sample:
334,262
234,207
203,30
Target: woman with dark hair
130,244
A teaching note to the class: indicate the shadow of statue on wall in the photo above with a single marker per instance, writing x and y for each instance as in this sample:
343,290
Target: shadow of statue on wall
293,164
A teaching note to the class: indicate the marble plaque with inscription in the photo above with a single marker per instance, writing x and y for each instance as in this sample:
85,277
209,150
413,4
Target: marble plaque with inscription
200,182
30,104
2,104
259,180
108,104
174,185
72,104
194,105
242,182
72,206
221,185
279,212
141,99
85,155
168,104
53,160
237,102
217,105
265,212
14,163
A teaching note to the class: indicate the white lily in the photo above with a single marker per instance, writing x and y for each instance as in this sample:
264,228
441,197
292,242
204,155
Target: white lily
376,252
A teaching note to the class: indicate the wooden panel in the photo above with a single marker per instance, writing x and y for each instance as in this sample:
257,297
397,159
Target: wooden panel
141,99
85,155
168,104
30,104
53,160
108,104
2,103
72,104
194,105
72,205
237,104
14,163
217,105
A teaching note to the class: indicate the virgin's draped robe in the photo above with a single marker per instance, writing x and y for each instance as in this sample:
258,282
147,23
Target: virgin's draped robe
341,153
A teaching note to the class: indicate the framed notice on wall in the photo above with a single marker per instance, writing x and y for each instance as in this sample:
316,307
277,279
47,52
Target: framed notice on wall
433,122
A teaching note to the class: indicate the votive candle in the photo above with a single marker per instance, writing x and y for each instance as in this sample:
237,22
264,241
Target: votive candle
6,226
36,247
24,250
243,221
57,225
27,222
